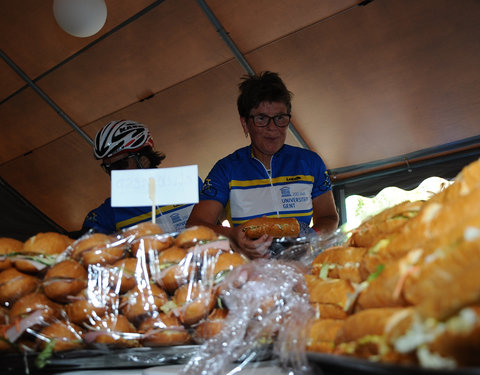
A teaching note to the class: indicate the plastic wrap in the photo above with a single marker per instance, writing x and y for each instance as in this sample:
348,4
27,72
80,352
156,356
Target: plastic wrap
268,305
129,299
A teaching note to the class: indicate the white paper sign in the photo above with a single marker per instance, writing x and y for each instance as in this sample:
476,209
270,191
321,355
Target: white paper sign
133,187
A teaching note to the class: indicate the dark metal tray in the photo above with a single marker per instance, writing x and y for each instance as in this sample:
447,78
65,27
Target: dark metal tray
329,364
92,359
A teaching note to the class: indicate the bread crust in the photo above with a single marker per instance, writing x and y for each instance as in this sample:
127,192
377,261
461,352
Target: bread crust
50,243
66,278
211,326
386,289
460,341
146,228
151,244
192,235
33,302
331,291
67,336
322,335
139,303
114,325
274,227
194,301
89,241
447,282
340,262
163,330
384,223
8,246
83,308
363,333
15,284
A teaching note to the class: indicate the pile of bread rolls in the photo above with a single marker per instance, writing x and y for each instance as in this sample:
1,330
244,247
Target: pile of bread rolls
139,287
405,287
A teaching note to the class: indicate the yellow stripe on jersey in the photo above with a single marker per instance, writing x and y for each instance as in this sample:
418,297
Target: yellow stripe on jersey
266,181
143,217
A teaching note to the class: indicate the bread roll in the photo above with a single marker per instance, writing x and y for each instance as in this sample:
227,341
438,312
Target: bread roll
332,291
67,336
172,268
8,246
363,333
194,301
193,235
64,279
15,284
88,242
322,335
33,302
88,306
274,227
163,330
146,228
127,272
113,330
211,325
384,223
151,244
139,303
42,245
339,262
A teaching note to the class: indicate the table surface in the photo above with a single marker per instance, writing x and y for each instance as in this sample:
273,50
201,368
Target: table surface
267,368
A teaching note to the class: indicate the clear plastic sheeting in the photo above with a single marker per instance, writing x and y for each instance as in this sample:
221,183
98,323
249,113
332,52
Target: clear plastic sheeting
268,305
142,298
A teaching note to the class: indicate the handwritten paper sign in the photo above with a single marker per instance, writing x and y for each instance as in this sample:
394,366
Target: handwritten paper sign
133,187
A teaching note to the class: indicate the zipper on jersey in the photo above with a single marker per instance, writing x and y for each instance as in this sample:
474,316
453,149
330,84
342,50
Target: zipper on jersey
272,190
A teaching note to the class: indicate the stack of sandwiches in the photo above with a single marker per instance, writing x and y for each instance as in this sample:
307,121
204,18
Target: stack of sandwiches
405,287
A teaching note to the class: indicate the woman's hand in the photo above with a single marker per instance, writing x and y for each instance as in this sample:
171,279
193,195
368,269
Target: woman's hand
258,248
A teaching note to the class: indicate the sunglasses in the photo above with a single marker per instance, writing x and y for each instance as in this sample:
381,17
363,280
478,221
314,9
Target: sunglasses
121,164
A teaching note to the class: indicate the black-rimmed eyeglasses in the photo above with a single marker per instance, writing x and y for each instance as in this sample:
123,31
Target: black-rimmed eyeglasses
262,120
121,164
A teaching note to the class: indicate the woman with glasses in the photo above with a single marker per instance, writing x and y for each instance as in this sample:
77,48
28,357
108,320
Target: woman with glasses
268,177
128,144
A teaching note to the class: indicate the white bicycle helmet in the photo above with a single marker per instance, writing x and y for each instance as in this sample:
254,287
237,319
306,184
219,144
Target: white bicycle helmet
121,136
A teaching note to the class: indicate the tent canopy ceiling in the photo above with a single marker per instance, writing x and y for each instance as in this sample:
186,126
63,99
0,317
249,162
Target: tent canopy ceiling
370,82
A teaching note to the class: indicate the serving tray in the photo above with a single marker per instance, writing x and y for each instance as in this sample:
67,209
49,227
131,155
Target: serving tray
329,364
91,359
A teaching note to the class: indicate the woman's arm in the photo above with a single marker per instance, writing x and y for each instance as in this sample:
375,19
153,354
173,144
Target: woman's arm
325,216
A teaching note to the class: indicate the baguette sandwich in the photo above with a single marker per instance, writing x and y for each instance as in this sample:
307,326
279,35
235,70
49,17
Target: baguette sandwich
274,227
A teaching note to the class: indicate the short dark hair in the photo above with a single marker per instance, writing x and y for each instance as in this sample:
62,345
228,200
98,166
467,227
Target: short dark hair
265,86
155,157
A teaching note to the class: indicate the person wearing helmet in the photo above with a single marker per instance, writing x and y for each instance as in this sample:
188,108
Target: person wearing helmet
128,144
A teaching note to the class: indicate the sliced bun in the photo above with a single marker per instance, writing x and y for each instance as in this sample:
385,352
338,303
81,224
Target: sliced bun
139,303
211,326
15,284
163,330
8,246
64,279
194,301
88,242
50,243
67,336
192,235
146,228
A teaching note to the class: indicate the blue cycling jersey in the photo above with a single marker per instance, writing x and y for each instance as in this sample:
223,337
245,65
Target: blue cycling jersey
243,185
107,219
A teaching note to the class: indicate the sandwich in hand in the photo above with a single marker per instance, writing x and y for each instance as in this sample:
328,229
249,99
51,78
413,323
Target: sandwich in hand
274,227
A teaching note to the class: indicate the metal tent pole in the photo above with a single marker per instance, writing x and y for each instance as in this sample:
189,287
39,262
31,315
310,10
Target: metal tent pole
45,97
